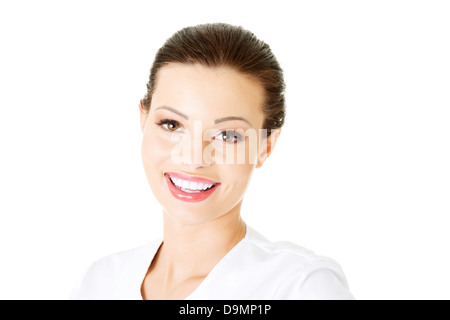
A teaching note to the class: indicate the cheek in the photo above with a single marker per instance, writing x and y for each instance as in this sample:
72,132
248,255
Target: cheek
243,153
154,150
237,177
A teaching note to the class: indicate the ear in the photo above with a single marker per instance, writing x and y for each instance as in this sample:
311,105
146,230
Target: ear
143,115
267,146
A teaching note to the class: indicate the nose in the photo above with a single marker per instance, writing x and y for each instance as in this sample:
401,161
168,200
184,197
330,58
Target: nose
198,159
195,151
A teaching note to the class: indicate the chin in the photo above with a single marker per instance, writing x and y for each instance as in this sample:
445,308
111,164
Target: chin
190,217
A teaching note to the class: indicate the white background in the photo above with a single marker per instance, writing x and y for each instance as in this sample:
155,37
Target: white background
360,174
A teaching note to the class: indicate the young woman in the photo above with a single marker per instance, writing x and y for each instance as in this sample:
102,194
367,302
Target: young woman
212,114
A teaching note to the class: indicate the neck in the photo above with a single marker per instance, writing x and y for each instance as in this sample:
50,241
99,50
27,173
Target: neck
192,250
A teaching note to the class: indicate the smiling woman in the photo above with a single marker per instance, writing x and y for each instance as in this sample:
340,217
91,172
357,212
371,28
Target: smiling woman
216,93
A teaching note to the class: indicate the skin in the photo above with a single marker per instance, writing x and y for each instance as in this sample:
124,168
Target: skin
198,235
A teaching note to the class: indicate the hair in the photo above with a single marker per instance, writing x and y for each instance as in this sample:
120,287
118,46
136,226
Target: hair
223,45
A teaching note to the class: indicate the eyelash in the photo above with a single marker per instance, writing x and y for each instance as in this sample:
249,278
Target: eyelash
236,136
166,122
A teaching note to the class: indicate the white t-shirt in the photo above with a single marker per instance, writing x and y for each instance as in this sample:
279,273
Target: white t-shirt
253,269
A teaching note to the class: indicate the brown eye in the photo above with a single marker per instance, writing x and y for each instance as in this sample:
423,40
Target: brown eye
227,136
230,136
173,126
170,125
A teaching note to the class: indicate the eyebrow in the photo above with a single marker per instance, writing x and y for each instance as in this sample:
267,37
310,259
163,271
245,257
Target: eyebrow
231,118
174,111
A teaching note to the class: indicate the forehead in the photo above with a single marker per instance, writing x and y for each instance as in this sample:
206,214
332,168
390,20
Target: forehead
219,90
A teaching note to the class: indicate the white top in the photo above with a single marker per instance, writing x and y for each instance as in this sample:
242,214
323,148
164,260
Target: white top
253,269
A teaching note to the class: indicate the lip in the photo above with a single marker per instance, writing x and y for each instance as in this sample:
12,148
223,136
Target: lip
186,196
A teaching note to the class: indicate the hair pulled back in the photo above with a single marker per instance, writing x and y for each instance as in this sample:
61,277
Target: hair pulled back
219,44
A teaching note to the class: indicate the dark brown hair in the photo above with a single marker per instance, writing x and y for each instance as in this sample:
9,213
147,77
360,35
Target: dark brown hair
220,44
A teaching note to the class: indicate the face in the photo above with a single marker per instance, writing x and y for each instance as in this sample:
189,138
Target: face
202,139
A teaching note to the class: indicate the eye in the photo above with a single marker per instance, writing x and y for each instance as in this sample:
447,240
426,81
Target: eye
229,136
170,125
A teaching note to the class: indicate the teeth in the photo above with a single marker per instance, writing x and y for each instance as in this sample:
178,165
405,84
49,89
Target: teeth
190,191
193,186
190,186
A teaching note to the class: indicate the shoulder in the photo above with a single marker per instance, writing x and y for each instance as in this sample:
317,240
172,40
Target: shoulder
285,252
105,276
299,273
114,263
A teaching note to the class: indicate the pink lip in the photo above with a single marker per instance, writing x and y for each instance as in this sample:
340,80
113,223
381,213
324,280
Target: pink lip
186,196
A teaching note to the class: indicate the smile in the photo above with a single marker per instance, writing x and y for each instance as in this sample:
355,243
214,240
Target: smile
190,188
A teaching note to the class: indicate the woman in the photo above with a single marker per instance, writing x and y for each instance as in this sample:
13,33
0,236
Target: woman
212,113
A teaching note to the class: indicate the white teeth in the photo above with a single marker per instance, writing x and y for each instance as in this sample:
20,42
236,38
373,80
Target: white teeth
193,186
190,186
175,181
190,191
